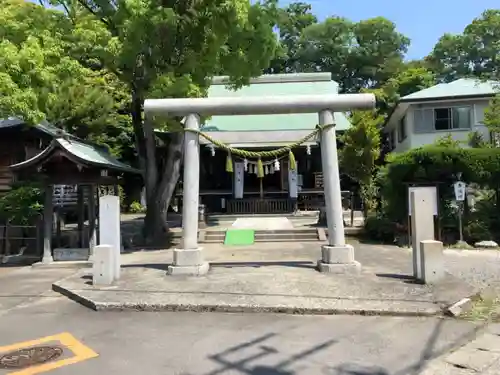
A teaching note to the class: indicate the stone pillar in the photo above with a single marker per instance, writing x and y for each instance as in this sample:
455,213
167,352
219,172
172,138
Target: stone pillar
337,256
102,268
422,224
92,221
189,260
432,257
109,229
48,218
81,214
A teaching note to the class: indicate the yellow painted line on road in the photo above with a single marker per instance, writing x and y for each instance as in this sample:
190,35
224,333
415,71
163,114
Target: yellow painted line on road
80,353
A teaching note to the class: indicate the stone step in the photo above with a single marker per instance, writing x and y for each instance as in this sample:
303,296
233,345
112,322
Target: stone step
286,231
286,237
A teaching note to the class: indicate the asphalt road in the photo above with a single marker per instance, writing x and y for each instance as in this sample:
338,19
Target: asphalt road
131,343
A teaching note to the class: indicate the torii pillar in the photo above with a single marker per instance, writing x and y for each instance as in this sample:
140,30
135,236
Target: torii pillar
337,256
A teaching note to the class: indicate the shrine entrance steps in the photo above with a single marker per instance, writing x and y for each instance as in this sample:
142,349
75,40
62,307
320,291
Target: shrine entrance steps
302,227
285,235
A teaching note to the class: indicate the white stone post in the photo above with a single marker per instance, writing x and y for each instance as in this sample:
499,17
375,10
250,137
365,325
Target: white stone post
109,229
422,224
432,258
103,265
48,221
336,257
189,260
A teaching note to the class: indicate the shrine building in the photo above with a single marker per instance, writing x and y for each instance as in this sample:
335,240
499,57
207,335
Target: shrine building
278,188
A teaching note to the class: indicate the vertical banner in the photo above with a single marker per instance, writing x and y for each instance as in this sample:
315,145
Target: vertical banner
293,189
239,179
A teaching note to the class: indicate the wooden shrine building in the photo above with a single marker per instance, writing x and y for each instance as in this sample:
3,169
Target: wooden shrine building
68,160
281,189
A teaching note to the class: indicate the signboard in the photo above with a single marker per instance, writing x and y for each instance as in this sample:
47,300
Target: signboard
318,180
433,193
459,188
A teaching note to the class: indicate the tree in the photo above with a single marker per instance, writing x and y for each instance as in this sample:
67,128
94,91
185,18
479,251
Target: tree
492,119
408,80
171,48
39,80
475,52
292,20
360,152
359,55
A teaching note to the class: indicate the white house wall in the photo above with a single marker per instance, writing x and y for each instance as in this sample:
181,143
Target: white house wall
415,139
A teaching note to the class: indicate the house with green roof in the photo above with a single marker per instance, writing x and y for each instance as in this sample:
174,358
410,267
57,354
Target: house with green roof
455,108
282,189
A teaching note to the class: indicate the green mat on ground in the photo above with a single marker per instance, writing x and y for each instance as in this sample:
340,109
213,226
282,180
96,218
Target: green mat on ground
239,237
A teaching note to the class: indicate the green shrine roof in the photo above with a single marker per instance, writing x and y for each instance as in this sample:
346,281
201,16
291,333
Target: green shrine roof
43,126
274,85
465,87
78,150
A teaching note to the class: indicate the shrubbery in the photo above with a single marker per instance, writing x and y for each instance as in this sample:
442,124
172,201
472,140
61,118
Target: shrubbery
441,166
22,204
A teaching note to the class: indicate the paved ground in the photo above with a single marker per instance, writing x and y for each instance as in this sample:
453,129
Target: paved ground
213,343
480,356
276,277
256,344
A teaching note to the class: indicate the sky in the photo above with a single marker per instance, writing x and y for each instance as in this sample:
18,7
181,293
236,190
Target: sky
423,21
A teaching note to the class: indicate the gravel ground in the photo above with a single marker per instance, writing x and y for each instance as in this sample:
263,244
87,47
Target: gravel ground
478,267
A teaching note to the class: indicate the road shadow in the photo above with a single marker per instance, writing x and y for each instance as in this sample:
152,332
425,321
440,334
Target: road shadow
247,358
260,350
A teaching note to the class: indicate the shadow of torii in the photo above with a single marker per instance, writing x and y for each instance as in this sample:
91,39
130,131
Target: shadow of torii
244,365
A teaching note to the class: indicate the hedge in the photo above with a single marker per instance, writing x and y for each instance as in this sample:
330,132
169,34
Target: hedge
434,165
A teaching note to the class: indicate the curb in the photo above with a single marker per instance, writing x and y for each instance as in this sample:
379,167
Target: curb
465,305
174,307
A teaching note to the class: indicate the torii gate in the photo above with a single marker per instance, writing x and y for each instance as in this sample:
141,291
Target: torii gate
337,256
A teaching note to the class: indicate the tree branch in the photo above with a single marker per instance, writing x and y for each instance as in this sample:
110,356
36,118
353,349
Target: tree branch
111,27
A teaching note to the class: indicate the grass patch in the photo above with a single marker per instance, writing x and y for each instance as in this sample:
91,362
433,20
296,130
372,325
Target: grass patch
484,310
461,245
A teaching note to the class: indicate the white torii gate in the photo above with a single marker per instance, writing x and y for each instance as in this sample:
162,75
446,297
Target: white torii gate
337,256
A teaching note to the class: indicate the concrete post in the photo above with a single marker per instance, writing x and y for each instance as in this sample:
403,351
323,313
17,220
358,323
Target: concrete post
109,229
432,257
422,224
48,218
189,260
336,257
102,267
92,220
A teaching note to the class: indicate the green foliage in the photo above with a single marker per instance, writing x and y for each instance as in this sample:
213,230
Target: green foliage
42,78
476,140
435,165
360,152
492,119
447,141
136,208
475,52
371,48
22,204
380,228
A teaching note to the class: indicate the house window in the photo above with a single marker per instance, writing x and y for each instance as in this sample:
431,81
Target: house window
392,140
402,130
452,118
442,119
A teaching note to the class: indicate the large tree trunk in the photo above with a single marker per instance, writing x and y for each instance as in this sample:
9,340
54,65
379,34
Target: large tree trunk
156,227
159,186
